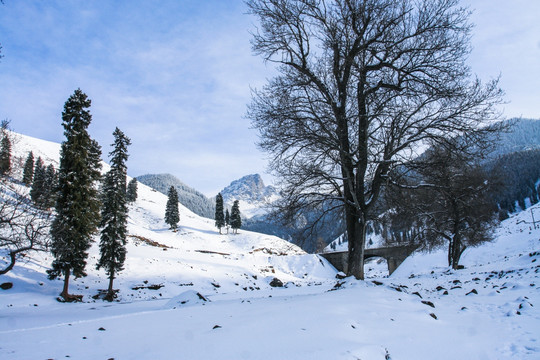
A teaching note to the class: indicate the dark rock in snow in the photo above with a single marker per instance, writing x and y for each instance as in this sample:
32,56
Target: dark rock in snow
428,303
276,282
473,291
6,285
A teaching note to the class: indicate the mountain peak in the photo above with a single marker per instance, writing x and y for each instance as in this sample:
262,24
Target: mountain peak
251,191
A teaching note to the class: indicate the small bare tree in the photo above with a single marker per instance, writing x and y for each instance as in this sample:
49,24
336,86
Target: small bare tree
445,195
23,227
362,85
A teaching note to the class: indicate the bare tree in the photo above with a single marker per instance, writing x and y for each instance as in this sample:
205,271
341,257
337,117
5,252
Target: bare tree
362,85
23,227
446,197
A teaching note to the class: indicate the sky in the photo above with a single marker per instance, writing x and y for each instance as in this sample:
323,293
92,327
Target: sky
176,76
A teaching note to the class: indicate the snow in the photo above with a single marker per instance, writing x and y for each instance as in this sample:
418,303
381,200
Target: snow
160,315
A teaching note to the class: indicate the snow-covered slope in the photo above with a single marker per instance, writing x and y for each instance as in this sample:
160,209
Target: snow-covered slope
489,310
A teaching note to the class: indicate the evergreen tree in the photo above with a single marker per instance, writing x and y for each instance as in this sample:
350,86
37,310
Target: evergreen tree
220,219
114,213
77,204
236,221
5,151
36,192
48,196
172,215
131,194
227,220
28,171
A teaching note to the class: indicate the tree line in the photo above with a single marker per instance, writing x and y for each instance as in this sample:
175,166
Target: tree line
80,206
227,219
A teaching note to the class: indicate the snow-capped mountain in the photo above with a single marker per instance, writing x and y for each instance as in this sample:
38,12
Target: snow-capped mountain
253,195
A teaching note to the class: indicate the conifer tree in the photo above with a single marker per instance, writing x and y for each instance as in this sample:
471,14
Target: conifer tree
36,192
77,204
220,219
131,194
5,151
48,197
28,171
114,213
227,220
236,221
172,215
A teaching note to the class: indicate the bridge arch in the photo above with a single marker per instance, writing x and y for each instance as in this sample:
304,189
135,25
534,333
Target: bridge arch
394,256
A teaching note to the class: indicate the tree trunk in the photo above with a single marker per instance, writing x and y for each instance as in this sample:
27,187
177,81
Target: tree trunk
110,291
457,251
65,292
356,232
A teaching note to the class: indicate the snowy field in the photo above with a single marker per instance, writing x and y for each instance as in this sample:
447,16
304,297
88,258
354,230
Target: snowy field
195,294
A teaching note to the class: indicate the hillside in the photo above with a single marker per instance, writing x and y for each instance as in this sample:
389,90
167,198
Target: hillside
198,294
189,197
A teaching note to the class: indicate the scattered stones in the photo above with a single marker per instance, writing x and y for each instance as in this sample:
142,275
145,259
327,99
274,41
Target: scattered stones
433,316
216,327
149,287
101,329
417,293
428,303
473,291
378,283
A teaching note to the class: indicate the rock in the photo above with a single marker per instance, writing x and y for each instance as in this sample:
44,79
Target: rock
340,275
276,282
190,297
428,303
6,285
433,316
473,291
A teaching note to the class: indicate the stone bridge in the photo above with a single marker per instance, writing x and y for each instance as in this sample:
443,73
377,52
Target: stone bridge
394,256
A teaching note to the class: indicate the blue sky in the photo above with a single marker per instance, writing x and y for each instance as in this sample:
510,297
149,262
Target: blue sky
175,76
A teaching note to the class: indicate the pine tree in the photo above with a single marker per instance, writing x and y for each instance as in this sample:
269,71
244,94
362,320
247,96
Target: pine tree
220,219
236,221
114,213
48,196
172,215
5,152
77,205
131,195
28,171
227,219
36,192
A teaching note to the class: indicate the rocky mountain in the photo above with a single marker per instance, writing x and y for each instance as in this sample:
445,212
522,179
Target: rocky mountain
253,195
187,196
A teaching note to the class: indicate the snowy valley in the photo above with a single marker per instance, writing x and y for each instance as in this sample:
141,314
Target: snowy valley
195,294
